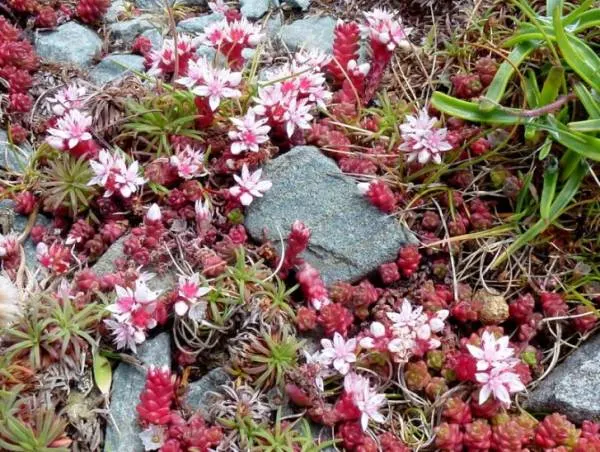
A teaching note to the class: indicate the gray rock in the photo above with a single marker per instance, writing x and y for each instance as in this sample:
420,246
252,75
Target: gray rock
309,33
16,223
302,4
14,158
159,5
350,237
155,38
116,8
273,26
127,30
116,66
196,25
128,381
106,264
573,388
254,9
198,396
70,43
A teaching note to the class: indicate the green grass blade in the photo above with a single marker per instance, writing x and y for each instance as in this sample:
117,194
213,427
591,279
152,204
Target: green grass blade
549,188
552,85
496,90
579,56
590,103
590,125
583,144
471,112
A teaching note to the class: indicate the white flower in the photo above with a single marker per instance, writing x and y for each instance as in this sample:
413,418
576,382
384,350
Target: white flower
154,213
189,291
340,353
383,26
366,400
153,437
112,173
217,84
218,6
422,140
189,163
72,129
493,352
500,383
8,244
249,186
313,57
11,305
297,115
250,133
127,178
125,335
70,97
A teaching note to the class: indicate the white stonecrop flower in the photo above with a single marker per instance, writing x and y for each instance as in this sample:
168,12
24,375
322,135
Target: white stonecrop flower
190,291
153,437
365,399
112,173
71,129
154,213
385,27
495,362
250,133
422,139
68,98
217,84
11,305
338,352
189,163
249,186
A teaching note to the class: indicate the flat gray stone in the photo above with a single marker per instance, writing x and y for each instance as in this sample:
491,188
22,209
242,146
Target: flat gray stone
350,237
106,264
127,30
196,25
128,381
14,158
155,38
116,66
159,5
309,33
17,224
254,9
70,43
573,387
198,396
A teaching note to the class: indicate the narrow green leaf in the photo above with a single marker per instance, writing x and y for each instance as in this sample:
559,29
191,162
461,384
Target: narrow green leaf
552,85
580,57
496,90
551,5
102,373
471,112
581,143
545,149
590,125
568,192
590,102
549,188
532,89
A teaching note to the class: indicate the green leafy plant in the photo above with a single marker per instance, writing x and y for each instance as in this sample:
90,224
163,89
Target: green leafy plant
64,183
551,110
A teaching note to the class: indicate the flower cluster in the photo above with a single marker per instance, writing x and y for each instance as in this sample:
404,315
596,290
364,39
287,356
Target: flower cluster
422,139
55,257
172,58
112,173
71,97
132,313
233,39
72,133
250,133
495,368
291,92
189,163
409,332
384,27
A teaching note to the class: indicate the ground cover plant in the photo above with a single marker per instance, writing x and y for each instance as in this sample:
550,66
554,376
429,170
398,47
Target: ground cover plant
478,133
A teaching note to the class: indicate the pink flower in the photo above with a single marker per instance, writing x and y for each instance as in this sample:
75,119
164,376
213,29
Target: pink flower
250,133
189,291
68,98
366,400
112,173
500,383
125,335
423,141
249,186
313,58
383,26
297,115
9,244
162,61
340,353
218,6
217,84
72,129
189,163
493,352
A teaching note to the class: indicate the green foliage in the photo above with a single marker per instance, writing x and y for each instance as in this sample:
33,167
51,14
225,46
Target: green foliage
549,110
156,118
36,435
64,183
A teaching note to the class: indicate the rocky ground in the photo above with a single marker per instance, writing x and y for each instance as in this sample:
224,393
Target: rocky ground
298,226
